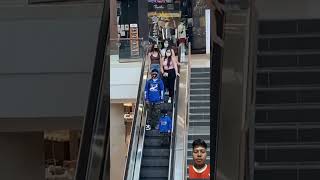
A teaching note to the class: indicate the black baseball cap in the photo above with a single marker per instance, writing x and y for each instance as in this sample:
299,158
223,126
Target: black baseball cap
154,71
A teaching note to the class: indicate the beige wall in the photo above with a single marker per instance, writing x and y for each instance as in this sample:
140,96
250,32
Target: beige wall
117,141
22,156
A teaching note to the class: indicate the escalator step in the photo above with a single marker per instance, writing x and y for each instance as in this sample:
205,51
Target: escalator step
157,172
205,137
200,91
156,152
200,80
200,86
155,161
199,116
152,133
199,123
194,70
199,97
199,103
200,74
154,142
200,110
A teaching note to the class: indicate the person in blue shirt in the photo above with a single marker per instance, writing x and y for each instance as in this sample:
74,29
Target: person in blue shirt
153,95
165,127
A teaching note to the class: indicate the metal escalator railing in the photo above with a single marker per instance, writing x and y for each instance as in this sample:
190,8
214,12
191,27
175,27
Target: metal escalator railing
174,122
132,169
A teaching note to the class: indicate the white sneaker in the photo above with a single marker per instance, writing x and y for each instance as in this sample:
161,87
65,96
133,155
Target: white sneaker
148,127
169,100
166,93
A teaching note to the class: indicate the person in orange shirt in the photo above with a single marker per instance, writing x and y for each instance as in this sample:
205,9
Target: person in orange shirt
199,169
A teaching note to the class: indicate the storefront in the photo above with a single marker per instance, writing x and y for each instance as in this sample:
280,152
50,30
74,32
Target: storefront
163,19
192,14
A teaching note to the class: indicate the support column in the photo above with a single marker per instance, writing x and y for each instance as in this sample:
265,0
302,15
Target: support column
22,156
143,20
113,25
118,146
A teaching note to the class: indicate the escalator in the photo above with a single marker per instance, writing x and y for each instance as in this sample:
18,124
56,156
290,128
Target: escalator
287,127
147,158
199,109
155,159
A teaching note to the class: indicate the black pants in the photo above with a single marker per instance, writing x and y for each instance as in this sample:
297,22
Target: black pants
165,139
153,114
169,81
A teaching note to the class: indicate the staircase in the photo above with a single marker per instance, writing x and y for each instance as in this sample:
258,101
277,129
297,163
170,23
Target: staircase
287,122
199,110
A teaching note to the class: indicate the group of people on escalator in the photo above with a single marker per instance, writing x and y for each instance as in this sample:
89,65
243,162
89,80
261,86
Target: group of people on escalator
164,70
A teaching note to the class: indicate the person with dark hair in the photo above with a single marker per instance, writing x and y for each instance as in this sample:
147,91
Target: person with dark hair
167,45
154,56
153,95
199,169
169,70
165,127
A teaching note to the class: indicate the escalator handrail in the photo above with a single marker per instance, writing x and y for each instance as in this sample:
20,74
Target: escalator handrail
188,110
136,124
174,119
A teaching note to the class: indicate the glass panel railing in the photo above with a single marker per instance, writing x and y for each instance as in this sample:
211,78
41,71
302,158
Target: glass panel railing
137,130
127,49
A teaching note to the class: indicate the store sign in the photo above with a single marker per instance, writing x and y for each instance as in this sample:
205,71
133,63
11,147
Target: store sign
163,7
158,7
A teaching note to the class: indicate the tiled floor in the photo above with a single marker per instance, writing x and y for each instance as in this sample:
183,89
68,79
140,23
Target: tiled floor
200,60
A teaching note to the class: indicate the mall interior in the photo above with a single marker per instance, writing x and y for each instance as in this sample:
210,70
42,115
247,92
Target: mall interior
248,87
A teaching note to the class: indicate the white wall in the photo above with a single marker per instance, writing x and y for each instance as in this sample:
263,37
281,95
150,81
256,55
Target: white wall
124,81
288,9
118,146
22,156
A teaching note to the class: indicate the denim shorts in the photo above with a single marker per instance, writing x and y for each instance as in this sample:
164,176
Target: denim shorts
155,66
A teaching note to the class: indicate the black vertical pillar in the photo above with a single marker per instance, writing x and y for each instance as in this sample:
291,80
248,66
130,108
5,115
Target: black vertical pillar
216,57
143,19
95,111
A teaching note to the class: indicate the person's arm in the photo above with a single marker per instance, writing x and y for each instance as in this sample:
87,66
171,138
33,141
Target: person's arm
170,124
146,88
161,65
161,90
174,57
149,59
176,67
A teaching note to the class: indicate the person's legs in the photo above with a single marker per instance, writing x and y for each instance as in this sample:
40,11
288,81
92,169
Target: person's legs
171,81
149,116
166,81
165,139
156,115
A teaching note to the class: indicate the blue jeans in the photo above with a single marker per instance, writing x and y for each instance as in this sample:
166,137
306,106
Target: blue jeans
155,66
